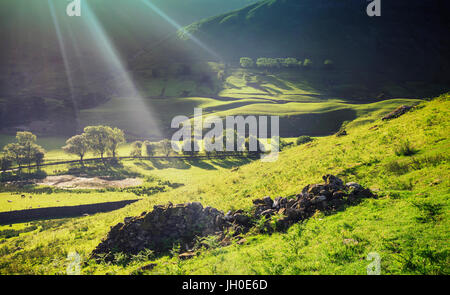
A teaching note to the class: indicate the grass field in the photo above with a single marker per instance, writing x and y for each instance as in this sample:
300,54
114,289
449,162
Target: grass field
407,225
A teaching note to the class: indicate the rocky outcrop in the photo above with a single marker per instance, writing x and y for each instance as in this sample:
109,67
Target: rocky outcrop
401,110
182,224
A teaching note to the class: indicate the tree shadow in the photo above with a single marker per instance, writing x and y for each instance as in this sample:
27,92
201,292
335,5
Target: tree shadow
202,164
170,163
230,163
144,165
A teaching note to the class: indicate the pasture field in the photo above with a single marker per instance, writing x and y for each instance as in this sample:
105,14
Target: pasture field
407,224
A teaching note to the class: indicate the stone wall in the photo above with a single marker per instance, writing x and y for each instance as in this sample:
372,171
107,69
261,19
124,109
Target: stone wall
182,224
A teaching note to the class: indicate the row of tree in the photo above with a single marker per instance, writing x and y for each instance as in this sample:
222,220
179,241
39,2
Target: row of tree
149,149
99,140
277,63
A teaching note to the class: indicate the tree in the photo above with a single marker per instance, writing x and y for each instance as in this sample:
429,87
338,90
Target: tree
289,62
247,62
149,148
14,151
98,138
77,145
136,149
25,150
25,138
38,155
166,147
5,163
116,138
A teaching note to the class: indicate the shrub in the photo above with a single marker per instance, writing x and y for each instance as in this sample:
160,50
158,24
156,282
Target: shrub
303,139
405,149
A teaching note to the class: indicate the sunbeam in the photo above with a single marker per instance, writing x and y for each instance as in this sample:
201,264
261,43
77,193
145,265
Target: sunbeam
62,47
179,28
131,101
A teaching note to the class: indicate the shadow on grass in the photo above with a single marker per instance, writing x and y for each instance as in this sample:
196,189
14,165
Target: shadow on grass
202,164
230,163
170,163
143,165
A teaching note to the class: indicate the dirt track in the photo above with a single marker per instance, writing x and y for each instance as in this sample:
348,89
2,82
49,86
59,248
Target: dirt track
74,182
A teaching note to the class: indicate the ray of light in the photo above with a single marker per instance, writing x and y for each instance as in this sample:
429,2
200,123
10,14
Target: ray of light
62,47
180,28
142,114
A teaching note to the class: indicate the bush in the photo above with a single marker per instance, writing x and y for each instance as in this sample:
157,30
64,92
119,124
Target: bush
303,139
405,149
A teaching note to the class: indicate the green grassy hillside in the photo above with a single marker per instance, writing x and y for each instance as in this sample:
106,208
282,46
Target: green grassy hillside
405,161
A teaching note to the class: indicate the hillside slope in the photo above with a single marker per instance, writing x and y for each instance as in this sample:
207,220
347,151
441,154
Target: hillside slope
406,39
407,225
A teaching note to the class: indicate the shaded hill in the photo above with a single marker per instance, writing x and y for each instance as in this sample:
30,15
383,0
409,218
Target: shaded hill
408,38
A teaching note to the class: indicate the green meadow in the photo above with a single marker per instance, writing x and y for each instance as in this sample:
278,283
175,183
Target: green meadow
407,224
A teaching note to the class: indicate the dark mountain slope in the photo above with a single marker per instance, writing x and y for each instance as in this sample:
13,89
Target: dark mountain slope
408,39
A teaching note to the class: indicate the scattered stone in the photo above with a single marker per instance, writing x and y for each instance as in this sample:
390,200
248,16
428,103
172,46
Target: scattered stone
401,110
